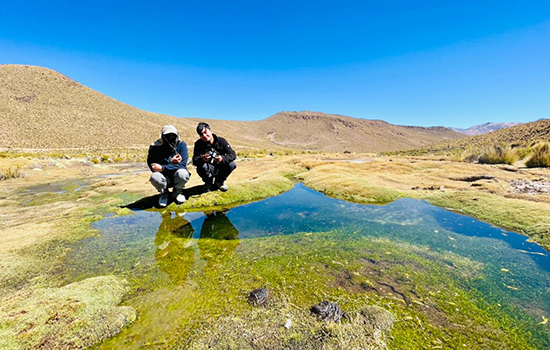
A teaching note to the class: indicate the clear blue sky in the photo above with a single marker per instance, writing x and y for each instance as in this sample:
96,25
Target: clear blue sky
445,62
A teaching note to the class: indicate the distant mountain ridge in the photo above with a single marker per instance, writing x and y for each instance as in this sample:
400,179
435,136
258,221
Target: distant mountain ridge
485,128
41,108
523,134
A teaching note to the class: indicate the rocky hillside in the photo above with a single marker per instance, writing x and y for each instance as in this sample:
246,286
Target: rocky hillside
41,108
523,134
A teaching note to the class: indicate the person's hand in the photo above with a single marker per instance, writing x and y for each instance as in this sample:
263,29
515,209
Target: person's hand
176,159
219,159
156,167
206,157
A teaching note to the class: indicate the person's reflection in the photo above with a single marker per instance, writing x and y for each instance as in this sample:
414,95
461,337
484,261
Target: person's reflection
219,239
174,253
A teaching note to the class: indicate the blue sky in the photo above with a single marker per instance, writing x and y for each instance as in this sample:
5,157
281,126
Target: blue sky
452,63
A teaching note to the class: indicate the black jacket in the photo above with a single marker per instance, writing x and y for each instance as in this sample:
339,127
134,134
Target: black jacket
220,145
162,154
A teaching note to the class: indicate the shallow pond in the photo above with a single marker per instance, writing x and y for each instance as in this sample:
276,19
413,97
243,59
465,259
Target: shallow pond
307,247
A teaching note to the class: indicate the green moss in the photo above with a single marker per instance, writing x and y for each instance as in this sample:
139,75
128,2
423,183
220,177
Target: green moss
432,304
75,316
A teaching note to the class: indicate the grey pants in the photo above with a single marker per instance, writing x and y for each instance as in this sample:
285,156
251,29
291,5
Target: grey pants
162,182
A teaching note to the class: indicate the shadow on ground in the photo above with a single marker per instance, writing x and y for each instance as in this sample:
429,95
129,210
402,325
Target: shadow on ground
152,201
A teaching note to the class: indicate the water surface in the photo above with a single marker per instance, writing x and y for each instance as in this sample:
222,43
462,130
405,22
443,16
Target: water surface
169,248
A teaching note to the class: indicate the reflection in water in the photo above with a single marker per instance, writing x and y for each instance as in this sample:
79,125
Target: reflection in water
176,252
218,226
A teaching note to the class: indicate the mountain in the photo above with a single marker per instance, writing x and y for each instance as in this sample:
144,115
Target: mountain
485,128
329,132
523,134
41,108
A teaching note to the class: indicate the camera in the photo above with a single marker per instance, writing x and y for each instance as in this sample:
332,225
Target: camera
213,154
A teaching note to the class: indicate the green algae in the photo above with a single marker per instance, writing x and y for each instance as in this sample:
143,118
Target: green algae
433,304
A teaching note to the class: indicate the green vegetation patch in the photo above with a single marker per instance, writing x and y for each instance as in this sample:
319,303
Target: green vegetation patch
74,316
266,184
428,297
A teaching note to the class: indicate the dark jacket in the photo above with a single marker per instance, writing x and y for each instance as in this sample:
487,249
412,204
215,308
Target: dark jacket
161,153
220,145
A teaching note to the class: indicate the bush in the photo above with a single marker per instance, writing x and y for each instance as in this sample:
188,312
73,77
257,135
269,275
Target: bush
540,157
11,173
498,155
470,157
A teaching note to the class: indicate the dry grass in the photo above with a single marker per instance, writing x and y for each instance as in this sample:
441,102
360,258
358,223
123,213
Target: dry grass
12,172
498,155
540,156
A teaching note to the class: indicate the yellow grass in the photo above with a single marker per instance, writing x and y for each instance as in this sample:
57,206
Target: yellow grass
540,156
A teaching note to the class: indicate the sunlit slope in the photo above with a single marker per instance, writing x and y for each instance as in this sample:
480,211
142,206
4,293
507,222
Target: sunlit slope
315,130
524,134
41,108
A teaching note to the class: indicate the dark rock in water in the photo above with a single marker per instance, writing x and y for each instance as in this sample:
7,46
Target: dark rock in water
258,297
327,311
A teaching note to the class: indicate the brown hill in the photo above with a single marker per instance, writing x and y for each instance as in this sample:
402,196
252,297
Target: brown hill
320,131
41,108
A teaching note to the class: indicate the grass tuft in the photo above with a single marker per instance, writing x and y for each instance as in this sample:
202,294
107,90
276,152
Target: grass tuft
12,172
540,157
498,155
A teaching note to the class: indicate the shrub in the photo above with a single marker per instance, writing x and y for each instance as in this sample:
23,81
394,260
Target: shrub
470,157
540,157
11,173
498,155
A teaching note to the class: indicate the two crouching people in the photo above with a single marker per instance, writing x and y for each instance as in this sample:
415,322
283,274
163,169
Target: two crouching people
168,157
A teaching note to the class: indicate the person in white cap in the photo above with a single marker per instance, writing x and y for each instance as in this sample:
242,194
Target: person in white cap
167,159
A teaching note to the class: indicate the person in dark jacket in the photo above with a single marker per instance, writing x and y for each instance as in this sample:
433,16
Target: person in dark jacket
214,158
167,159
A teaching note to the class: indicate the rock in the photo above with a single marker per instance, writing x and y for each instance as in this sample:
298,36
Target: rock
327,311
259,297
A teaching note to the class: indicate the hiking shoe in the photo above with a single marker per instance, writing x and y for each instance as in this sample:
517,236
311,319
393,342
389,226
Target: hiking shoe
180,198
222,187
163,200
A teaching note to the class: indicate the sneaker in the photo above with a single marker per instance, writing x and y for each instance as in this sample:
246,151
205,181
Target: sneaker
163,200
222,187
206,187
180,198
